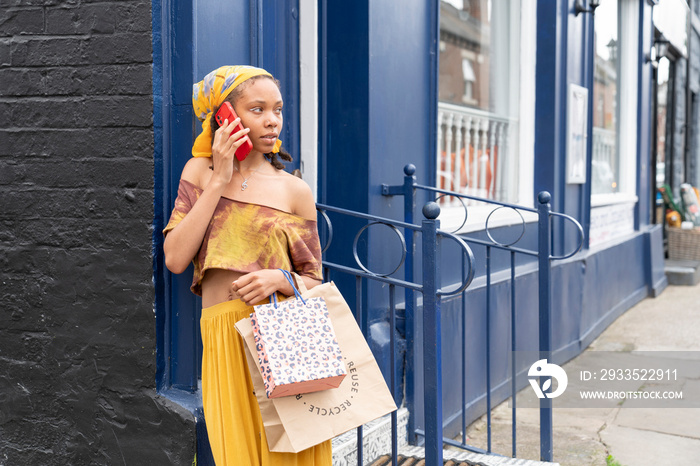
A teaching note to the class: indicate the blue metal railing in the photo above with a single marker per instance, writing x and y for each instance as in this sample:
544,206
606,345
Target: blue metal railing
433,421
427,260
432,294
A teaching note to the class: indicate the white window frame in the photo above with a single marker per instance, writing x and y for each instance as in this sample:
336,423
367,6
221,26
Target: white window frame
308,90
628,34
621,205
468,69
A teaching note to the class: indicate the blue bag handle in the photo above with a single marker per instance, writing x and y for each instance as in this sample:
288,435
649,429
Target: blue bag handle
288,275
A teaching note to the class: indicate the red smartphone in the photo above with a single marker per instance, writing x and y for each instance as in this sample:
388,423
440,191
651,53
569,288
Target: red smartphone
226,112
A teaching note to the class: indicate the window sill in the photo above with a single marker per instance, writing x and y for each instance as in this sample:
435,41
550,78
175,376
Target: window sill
451,218
191,401
612,218
600,200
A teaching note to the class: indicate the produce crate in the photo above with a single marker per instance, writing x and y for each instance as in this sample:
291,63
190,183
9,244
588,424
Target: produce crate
683,244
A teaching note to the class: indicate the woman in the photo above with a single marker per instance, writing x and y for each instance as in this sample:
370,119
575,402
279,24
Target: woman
240,221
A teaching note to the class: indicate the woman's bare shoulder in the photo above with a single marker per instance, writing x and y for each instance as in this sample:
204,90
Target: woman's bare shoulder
294,185
196,170
303,204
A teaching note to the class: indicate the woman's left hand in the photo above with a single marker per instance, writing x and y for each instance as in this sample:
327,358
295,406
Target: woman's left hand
254,287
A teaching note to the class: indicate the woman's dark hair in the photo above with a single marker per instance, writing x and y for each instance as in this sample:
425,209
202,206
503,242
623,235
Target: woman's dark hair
231,98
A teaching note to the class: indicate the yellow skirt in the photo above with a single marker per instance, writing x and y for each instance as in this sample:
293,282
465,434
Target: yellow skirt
231,412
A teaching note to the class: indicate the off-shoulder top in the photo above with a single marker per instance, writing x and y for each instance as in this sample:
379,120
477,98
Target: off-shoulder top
245,237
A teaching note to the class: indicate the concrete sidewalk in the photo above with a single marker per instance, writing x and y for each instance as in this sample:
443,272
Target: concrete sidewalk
631,436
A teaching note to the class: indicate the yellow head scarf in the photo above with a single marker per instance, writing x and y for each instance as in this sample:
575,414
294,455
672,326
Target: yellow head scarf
210,93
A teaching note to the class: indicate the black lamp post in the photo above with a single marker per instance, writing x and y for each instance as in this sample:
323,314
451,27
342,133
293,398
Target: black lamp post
658,51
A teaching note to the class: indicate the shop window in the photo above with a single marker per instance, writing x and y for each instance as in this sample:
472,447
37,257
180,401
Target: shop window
614,139
614,91
605,168
485,103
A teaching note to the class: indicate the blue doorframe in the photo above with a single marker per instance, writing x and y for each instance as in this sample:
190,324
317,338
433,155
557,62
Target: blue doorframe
189,40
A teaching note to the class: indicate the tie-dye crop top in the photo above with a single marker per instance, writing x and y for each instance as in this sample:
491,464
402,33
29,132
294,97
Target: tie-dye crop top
245,237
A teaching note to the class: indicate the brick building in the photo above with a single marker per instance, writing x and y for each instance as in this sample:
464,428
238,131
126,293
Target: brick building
77,357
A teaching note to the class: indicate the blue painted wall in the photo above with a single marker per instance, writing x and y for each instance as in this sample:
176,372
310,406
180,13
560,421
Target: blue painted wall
376,115
402,110
550,72
583,305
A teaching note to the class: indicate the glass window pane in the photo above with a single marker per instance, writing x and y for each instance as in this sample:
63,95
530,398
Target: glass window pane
479,76
605,169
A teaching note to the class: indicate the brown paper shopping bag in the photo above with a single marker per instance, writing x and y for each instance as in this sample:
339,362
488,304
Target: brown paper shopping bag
295,423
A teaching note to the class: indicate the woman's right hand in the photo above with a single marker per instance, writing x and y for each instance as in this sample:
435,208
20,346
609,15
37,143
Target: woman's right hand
223,149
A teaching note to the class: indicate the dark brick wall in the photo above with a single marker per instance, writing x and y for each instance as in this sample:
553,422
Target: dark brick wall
77,352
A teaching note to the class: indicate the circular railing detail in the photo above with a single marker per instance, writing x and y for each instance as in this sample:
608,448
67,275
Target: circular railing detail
488,228
398,234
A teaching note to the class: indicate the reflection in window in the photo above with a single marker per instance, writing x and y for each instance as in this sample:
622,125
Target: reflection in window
605,169
479,76
469,79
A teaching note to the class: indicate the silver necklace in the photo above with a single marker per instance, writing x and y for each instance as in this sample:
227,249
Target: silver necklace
244,185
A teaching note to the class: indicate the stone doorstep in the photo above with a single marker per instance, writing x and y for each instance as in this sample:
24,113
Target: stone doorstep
682,272
476,458
377,442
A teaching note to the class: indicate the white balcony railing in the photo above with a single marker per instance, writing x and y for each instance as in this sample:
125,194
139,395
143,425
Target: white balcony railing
605,177
474,154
